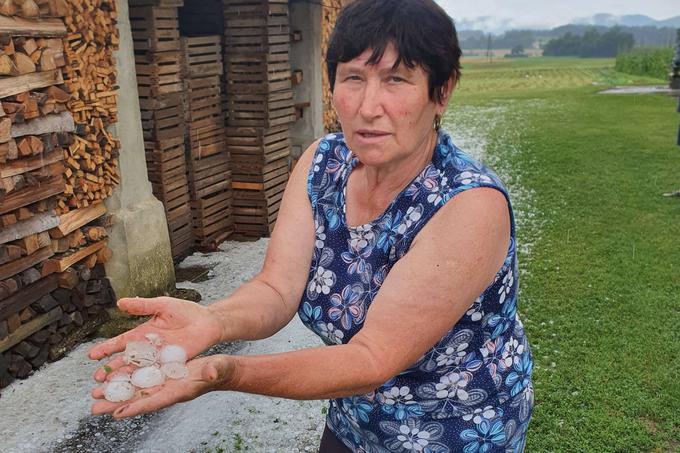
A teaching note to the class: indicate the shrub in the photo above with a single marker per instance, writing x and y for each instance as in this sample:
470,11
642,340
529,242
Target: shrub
646,61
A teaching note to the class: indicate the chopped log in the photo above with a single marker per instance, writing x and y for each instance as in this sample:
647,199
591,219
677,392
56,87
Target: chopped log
69,278
26,314
26,350
91,261
95,233
9,287
7,66
24,63
10,253
5,129
45,303
39,337
30,276
27,296
75,219
14,267
37,224
40,359
8,8
29,9
29,244
4,331
104,255
30,328
75,239
13,322
62,263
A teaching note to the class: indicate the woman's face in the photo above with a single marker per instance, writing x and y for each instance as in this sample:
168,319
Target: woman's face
386,114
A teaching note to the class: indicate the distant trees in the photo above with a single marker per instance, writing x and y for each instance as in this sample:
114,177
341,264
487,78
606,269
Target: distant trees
591,44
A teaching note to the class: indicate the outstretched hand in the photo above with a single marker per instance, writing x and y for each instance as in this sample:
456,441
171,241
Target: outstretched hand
180,322
205,374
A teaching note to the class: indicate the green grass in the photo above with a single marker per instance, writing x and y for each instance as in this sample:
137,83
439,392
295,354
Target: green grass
601,294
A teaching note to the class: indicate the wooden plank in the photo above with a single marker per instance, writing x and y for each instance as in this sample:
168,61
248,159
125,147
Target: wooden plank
31,327
26,296
13,268
10,86
62,122
20,166
36,224
61,264
75,219
17,26
53,186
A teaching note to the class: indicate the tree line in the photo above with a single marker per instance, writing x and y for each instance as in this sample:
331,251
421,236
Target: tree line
591,44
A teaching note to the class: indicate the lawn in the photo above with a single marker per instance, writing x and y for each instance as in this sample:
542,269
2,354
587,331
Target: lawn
600,246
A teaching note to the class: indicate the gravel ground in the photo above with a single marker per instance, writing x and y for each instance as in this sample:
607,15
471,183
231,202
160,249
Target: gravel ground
50,411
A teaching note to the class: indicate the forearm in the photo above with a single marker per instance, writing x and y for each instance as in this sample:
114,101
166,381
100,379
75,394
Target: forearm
254,311
307,374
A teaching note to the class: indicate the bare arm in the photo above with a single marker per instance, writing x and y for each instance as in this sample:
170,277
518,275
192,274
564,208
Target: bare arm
424,295
264,305
426,292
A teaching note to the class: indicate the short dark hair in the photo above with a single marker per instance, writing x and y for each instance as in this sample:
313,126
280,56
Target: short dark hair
422,33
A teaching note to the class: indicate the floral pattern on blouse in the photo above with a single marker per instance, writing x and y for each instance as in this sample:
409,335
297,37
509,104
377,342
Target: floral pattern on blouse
472,391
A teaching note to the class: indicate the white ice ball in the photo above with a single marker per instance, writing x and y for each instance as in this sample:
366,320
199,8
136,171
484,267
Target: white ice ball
172,353
175,370
140,353
119,376
118,391
149,376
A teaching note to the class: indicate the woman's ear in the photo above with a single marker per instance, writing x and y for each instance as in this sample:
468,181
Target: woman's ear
447,90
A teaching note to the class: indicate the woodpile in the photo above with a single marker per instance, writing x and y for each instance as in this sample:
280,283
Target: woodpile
260,109
331,9
90,76
48,295
207,158
155,34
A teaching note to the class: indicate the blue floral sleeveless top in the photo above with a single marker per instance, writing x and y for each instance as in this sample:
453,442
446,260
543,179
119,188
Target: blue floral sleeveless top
472,391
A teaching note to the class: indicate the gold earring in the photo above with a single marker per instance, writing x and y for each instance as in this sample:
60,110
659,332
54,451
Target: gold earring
437,122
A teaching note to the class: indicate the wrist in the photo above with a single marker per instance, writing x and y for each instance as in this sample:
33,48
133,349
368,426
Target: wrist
222,321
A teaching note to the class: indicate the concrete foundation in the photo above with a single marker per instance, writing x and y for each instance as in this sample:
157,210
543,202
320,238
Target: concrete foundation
306,55
142,263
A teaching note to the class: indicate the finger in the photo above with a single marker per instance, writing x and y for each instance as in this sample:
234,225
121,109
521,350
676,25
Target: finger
157,400
113,366
98,393
142,307
115,344
105,407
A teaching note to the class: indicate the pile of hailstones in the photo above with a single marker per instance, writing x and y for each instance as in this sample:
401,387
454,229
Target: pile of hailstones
154,361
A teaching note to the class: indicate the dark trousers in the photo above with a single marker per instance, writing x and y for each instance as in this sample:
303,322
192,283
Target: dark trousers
331,444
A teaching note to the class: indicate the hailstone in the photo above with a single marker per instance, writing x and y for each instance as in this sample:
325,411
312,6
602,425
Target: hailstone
118,391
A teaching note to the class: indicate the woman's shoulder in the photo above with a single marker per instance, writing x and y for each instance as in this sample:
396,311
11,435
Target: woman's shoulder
460,169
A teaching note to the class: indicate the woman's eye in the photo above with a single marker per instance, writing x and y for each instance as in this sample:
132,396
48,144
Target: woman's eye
353,77
396,79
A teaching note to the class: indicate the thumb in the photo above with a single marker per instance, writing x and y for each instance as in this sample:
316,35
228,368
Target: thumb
141,307
219,372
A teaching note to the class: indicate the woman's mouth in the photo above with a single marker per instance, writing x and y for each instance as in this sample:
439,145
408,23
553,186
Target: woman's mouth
371,136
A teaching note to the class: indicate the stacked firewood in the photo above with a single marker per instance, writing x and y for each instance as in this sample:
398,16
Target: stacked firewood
46,260
260,109
92,163
331,9
207,158
155,34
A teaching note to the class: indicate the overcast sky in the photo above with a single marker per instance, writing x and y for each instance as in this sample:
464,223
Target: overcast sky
522,13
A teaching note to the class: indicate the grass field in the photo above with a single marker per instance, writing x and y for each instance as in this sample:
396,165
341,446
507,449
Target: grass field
600,246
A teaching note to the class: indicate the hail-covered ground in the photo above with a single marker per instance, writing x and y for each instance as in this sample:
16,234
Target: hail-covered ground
50,411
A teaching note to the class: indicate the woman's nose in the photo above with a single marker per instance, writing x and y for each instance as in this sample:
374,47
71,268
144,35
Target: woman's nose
371,102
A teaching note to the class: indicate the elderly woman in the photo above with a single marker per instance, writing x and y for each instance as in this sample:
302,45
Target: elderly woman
393,246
